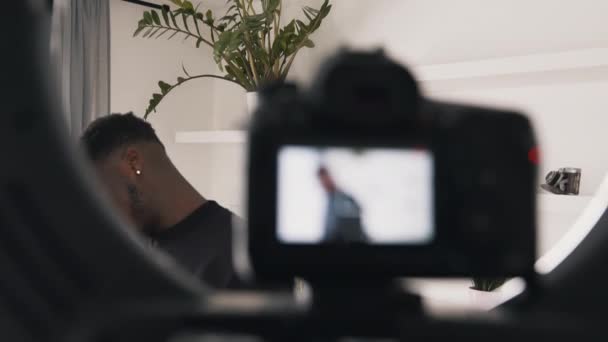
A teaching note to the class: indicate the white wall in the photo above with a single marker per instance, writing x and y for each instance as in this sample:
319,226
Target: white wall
567,106
551,61
442,31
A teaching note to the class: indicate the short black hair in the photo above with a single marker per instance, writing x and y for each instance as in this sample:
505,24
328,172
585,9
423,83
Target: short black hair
106,134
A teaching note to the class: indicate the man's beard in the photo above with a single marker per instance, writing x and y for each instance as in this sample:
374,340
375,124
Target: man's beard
138,211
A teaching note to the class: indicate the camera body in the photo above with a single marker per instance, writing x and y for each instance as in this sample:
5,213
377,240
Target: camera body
359,176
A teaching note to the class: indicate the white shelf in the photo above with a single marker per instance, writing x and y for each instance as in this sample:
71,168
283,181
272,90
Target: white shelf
563,203
211,137
543,62
557,214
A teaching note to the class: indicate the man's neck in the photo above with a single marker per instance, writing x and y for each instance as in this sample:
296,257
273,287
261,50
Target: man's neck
178,202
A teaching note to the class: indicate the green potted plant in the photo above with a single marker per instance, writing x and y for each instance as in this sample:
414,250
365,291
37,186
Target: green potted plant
249,45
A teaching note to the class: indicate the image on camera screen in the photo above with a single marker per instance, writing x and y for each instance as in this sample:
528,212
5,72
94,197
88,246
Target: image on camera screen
354,195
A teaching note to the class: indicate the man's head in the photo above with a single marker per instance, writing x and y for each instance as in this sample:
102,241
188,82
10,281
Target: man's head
128,157
326,180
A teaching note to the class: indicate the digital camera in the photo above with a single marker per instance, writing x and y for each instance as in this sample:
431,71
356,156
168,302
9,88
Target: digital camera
360,176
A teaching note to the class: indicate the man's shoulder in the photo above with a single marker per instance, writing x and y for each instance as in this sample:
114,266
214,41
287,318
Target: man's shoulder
224,214
216,209
210,219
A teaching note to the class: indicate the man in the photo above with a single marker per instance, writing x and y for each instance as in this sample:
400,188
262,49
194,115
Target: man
149,190
343,216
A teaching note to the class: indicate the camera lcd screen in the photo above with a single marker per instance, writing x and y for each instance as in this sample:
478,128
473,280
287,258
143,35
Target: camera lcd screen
354,195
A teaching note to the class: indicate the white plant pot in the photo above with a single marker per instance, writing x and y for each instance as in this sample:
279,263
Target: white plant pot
252,99
483,300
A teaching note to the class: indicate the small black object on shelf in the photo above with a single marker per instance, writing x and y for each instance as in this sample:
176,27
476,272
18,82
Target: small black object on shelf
564,181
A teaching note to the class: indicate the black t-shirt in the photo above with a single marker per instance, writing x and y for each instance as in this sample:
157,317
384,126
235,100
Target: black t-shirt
202,243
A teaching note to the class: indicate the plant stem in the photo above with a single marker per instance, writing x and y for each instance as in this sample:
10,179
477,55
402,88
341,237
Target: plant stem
247,69
277,19
251,7
184,32
288,66
276,68
238,9
282,64
251,59
211,76
150,109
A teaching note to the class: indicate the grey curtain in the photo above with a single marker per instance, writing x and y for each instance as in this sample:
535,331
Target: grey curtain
80,47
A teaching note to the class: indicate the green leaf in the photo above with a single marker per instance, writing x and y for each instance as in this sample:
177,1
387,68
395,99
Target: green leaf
198,31
310,17
239,75
139,29
230,70
153,103
177,2
164,87
325,11
229,18
174,21
173,35
155,17
289,27
272,5
148,18
209,15
303,27
262,56
162,33
180,80
311,10
165,12
238,58
148,32
227,42
254,22
154,32
187,5
185,19
308,43
198,42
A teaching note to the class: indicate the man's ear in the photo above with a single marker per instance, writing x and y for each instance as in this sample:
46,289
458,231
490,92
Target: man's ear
133,160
